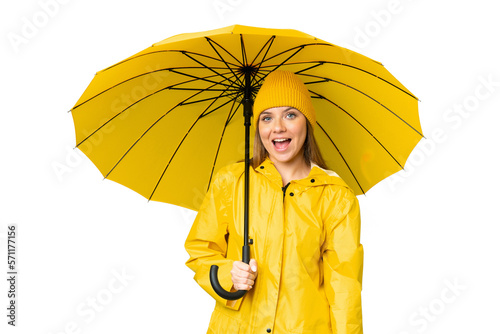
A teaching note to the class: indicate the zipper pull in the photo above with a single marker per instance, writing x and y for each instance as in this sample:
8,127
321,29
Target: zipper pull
284,190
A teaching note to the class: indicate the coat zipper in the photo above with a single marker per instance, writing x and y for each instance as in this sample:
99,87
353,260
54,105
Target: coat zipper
284,190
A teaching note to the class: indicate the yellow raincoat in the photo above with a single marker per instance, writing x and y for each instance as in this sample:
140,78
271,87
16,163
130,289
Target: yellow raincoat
306,241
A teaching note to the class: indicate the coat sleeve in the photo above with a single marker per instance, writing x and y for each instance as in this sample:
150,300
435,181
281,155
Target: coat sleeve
343,264
206,243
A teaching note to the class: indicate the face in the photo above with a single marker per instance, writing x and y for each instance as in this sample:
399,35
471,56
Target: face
283,132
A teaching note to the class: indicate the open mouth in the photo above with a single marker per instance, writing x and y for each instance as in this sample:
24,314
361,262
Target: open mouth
281,144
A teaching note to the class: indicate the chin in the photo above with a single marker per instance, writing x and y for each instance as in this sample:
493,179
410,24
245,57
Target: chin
284,159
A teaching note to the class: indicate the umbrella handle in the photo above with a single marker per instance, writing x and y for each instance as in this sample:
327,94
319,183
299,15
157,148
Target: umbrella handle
214,279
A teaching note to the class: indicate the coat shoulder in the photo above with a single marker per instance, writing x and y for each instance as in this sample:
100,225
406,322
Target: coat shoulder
230,172
336,190
332,180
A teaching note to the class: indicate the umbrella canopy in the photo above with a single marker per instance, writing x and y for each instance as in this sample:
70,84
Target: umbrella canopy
163,121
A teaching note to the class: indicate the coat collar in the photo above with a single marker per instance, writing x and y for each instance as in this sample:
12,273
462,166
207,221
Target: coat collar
317,176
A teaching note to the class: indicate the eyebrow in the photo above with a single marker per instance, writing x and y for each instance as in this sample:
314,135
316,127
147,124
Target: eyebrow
268,113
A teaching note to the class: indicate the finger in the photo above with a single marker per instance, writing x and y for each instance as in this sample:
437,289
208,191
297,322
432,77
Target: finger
242,283
243,280
242,287
239,286
253,265
241,266
242,275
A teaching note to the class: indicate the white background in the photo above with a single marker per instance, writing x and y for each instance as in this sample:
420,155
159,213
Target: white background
430,233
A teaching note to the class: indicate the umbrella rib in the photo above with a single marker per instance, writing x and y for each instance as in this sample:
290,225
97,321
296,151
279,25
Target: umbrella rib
283,62
207,56
215,109
300,47
336,105
204,78
147,130
143,74
342,156
228,119
351,66
209,98
180,144
235,99
209,68
319,63
210,41
368,96
270,42
204,89
222,59
234,113
233,95
142,99
243,51
331,45
159,51
118,114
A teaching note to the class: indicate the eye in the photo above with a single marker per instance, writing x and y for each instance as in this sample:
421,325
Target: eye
265,118
291,115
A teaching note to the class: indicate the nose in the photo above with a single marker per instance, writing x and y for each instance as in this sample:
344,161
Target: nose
279,125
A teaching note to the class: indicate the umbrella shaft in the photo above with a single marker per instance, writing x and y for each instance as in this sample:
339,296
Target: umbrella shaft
247,111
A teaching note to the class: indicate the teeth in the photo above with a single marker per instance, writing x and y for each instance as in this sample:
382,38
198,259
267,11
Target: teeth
280,140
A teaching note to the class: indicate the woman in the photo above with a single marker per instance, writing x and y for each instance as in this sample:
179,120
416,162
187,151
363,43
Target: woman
306,265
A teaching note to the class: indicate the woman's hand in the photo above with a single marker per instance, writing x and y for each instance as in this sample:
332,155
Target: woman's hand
244,275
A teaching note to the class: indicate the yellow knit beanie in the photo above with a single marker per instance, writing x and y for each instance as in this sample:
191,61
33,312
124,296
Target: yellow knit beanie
284,89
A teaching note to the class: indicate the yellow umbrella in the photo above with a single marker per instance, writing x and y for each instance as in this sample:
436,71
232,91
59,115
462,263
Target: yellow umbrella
163,121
